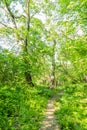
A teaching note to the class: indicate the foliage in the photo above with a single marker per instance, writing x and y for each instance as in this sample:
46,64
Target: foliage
72,66
45,45
22,107
10,68
72,112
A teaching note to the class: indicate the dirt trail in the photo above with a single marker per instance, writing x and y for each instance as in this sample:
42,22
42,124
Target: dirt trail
50,123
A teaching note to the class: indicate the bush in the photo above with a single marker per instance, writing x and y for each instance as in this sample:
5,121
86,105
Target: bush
22,107
72,114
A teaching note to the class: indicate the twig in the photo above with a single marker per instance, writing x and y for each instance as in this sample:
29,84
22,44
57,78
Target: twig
5,25
11,14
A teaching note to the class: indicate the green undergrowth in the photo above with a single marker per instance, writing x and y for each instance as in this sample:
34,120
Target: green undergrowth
23,107
72,107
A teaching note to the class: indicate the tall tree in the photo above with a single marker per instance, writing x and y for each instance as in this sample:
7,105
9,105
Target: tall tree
26,42
18,26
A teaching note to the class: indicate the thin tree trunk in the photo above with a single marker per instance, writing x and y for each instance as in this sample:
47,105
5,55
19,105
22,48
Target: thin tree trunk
28,76
53,66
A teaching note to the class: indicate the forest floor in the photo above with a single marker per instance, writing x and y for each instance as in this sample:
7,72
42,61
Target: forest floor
49,122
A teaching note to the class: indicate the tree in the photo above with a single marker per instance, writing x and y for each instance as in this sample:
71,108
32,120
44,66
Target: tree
20,29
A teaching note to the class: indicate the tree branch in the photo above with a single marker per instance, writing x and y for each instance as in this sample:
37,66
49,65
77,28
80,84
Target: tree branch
11,14
28,26
28,22
5,25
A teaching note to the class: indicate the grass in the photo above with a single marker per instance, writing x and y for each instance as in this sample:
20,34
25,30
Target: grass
72,112
23,107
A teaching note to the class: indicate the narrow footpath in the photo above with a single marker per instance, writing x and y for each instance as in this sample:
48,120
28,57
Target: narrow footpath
50,123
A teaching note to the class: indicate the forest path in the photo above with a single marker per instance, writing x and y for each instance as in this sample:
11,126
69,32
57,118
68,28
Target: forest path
50,123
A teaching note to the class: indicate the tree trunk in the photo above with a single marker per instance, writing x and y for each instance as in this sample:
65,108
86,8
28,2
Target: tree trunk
53,80
28,76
